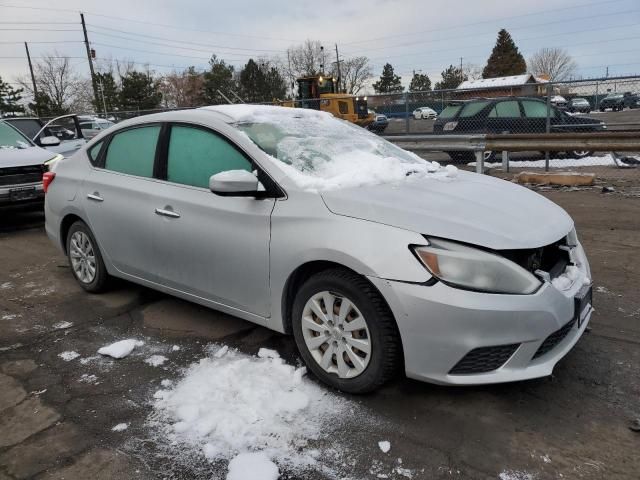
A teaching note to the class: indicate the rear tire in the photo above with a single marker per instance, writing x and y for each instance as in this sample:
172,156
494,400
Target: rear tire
579,154
366,322
85,259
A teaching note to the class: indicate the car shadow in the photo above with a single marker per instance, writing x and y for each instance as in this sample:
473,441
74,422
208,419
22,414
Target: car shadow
15,220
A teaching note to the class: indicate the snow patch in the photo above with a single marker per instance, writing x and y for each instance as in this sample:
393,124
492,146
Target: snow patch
515,475
121,427
88,378
605,160
120,349
62,325
69,355
384,445
175,348
254,466
569,277
219,409
6,285
156,360
9,316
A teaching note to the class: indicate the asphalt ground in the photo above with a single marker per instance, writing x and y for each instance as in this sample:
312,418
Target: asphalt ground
56,416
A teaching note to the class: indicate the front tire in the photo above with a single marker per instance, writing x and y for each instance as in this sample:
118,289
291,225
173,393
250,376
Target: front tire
85,258
345,332
579,154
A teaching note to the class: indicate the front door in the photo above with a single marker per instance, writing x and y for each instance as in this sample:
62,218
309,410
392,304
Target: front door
117,200
210,246
506,117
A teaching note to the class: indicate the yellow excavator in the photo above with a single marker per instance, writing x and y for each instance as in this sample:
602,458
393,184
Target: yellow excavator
321,93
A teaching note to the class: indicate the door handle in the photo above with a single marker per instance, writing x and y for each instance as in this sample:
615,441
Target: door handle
167,213
95,196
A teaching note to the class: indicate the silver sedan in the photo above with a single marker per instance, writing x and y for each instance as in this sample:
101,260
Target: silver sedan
373,258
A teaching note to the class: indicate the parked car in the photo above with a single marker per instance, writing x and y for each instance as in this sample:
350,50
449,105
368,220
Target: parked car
631,100
22,164
379,124
559,101
579,105
509,115
91,126
308,225
65,129
613,101
424,112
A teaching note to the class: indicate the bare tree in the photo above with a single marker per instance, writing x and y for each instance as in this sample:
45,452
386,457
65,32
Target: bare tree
306,59
555,63
354,72
472,71
183,89
56,80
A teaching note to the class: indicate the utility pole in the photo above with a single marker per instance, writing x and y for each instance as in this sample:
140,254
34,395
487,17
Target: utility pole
290,75
93,74
461,74
33,80
338,67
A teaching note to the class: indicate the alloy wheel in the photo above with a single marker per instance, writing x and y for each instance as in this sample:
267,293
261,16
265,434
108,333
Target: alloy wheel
336,334
83,258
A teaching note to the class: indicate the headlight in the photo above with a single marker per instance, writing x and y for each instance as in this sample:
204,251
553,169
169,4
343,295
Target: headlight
474,269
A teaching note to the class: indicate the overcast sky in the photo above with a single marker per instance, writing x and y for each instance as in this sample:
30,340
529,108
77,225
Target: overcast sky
410,34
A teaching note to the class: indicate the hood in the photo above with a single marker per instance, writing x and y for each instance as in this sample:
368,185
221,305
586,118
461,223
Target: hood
471,208
23,157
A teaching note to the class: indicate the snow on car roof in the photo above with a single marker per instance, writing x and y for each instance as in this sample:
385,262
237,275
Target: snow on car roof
250,113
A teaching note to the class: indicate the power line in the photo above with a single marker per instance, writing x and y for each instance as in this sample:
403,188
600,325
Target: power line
53,41
175,40
165,54
493,20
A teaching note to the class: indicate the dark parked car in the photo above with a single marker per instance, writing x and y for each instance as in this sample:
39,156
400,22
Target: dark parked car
509,115
66,129
379,124
618,101
580,105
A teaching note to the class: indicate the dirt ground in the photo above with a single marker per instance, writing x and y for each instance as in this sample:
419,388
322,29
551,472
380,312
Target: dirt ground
56,416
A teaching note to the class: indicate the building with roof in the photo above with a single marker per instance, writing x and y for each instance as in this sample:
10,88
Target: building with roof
526,84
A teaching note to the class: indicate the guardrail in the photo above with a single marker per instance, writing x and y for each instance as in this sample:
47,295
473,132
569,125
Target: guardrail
546,142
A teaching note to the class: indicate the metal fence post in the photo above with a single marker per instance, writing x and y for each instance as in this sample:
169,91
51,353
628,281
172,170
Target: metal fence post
406,111
548,125
479,161
505,160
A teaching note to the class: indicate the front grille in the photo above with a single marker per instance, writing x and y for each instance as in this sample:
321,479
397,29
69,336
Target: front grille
20,175
484,359
554,339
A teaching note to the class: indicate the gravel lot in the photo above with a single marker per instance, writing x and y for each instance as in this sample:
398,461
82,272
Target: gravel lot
57,414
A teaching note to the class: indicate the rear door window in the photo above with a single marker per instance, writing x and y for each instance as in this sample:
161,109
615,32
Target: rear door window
470,109
196,154
509,109
535,109
133,151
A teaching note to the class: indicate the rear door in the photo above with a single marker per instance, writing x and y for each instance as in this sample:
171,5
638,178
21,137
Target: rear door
117,197
506,117
214,247
535,112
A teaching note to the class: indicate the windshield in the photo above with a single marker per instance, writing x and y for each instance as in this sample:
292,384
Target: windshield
614,96
450,111
321,152
579,100
12,138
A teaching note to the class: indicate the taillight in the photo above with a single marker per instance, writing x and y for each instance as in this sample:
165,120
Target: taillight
47,178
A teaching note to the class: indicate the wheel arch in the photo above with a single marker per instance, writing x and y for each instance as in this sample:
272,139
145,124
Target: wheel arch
301,274
65,225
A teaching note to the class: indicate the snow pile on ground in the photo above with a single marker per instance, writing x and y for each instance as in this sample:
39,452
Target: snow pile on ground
69,355
320,152
605,160
120,349
515,475
254,466
385,446
121,427
569,277
230,403
156,360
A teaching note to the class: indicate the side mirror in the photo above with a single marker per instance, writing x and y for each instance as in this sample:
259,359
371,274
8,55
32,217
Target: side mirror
50,141
235,183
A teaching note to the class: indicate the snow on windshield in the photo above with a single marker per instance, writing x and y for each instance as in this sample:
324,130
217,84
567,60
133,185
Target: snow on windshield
320,152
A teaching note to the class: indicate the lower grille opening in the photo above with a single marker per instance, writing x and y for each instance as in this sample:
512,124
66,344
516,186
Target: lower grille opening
554,339
484,359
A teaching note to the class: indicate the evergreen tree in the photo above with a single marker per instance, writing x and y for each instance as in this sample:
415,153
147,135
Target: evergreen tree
276,84
9,98
389,82
505,59
451,77
44,106
219,77
110,92
420,83
261,83
139,92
